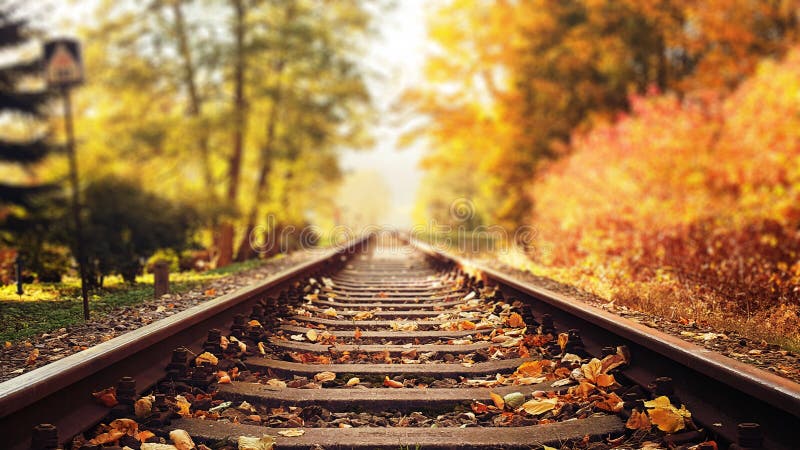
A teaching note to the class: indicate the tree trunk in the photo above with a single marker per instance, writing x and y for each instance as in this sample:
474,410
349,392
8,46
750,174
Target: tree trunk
246,251
239,129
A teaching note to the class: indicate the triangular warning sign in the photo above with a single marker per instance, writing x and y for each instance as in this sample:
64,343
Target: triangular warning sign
62,67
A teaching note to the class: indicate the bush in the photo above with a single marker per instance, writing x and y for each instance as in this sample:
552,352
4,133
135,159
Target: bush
125,225
168,256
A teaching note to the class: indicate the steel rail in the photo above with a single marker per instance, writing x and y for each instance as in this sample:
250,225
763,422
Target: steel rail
56,393
720,392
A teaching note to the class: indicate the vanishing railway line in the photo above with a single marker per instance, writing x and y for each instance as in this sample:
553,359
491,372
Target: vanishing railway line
388,344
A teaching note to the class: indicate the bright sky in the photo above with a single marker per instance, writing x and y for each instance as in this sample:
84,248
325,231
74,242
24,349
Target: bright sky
394,60
396,56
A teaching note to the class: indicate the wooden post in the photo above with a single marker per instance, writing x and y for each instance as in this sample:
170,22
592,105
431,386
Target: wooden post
161,278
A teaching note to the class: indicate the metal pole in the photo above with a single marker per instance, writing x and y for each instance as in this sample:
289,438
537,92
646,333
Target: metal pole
76,207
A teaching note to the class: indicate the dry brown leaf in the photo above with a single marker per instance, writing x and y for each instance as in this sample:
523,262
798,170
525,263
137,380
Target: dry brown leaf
535,407
181,440
638,421
498,400
157,446
357,334
388,382
206,358
611,403
325,376
223,377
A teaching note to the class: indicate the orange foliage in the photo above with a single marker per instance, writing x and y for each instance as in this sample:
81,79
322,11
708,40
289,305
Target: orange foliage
699,195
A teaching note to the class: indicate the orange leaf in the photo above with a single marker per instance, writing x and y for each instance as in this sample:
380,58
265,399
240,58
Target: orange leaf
498,400
479,408
391,383
638,421
466,325
32,357
605,380
357,334
515,321
211,292
107,397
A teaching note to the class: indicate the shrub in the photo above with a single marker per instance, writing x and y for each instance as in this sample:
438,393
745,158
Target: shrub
125,225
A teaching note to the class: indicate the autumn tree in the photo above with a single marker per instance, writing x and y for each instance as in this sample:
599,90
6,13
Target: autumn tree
531,73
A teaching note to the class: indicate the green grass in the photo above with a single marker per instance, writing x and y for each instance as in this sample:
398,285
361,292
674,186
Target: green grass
46,307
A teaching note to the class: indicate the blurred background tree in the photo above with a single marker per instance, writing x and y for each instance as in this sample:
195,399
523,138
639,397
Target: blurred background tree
27,202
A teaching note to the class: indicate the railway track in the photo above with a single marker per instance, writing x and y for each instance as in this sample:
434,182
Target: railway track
387,343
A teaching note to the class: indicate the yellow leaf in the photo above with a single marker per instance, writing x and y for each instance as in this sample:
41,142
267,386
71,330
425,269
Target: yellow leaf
363,315
658,402
312,335
206,358
330,312
325,376
530,369
353,381
253,443
667,420
535,407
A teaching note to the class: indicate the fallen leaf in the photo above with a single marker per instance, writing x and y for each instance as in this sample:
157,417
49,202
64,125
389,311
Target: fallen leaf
157,446
292,432
223,377
353,381
297,337
312,335
638,421
466,325
391,383
592,369
666,419
514,399
105,438
262,348
181,440
325,376
142,407
562,341
276,383
330,312
357,334
605,380
107,397
206,357
32,357
611,403
364,315
127,426
183,406
265,442
254,323
535,407
211,292
498,400
515,321
530,369
144,435
479,408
